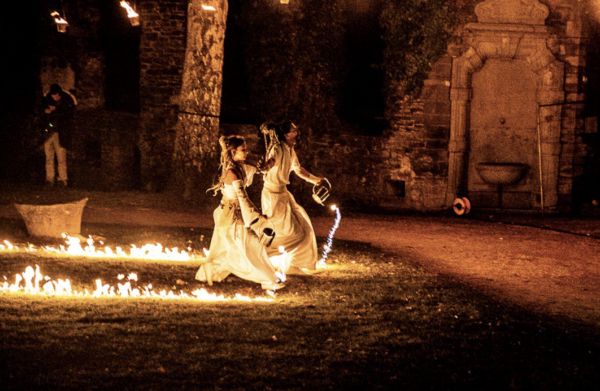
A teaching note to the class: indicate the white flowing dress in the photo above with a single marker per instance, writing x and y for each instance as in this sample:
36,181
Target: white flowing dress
289,220
234,248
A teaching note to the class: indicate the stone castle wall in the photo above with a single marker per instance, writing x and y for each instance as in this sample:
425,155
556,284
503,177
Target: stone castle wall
405,168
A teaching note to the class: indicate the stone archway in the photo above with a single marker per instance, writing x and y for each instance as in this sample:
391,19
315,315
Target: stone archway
513,31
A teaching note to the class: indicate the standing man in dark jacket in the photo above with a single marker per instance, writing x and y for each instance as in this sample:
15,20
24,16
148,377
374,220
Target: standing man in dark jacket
57,113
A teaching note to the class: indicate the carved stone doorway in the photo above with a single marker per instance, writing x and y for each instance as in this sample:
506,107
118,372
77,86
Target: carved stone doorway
506,95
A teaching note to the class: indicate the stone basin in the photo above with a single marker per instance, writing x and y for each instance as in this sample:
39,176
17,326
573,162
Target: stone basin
52,220
501,173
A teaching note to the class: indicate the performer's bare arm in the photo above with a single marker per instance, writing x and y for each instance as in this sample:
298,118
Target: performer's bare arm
230,176
307,176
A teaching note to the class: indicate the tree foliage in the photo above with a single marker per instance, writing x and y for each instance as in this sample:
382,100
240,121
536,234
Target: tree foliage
416,33
295,56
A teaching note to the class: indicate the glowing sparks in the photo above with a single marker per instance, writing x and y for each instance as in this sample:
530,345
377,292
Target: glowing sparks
329,244
209,8
73,247
33,282
61,23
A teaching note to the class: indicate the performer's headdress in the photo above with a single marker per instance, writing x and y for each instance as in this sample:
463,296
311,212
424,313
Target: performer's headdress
269,137
226,162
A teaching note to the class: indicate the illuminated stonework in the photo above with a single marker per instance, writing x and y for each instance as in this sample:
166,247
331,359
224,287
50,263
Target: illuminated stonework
509,32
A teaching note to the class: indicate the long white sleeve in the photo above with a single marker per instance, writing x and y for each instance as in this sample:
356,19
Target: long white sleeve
250,212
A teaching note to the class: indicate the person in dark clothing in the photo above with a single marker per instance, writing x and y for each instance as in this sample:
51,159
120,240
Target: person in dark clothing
58,107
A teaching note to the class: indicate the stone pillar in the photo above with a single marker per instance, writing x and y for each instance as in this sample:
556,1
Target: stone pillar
458,141
549,150
550,99
162,51
460,96
195,156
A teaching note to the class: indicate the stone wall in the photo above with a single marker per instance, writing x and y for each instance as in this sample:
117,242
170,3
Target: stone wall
568,18
415,154
74,59
104,150
162,50
405,168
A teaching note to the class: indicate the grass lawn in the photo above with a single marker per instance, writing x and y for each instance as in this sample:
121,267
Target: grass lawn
370,321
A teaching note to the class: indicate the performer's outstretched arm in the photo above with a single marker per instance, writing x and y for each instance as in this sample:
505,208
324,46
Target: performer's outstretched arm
307,176
303,172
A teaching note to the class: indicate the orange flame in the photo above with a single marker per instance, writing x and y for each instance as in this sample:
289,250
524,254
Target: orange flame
281,263
130,11
33,282
73,247
58,19
209,8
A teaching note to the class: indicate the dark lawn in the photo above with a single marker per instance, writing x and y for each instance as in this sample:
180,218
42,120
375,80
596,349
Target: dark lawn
371,321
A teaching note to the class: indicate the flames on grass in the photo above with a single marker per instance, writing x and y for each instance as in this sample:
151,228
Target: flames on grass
33,282
74,247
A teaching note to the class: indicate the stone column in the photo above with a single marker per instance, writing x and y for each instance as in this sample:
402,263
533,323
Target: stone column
197,131
460,96
549,133
458,141
550,97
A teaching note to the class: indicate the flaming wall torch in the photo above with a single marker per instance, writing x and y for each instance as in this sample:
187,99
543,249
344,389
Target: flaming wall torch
134,17
61,23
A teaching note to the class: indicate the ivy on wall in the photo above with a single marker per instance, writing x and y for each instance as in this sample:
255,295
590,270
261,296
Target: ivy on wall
416,33
294,59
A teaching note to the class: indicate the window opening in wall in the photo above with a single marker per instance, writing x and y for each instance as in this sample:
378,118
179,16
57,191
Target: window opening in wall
398,187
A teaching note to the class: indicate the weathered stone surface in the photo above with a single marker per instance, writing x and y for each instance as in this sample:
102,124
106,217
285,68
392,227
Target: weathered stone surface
197,129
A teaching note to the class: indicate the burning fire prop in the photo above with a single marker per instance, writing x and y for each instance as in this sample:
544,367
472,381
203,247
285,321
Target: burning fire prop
74,248
134,17
329,243
33,282
61,23
208,8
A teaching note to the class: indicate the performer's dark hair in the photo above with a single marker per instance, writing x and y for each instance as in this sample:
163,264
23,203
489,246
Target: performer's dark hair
284,128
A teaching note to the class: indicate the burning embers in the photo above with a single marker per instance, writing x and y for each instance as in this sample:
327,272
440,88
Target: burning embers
33,282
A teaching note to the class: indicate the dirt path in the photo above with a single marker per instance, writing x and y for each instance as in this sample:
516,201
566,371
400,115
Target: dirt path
549,271
545,270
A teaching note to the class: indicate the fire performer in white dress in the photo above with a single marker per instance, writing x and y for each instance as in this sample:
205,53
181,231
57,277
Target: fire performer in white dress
289,220
238,241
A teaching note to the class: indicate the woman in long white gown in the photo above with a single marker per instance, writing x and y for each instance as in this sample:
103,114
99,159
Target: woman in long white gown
234,247
291,223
